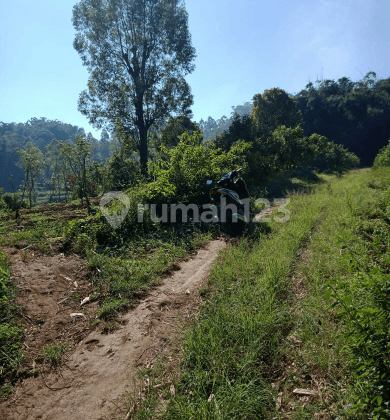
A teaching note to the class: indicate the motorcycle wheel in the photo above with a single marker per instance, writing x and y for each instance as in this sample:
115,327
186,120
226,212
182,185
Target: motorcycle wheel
231,228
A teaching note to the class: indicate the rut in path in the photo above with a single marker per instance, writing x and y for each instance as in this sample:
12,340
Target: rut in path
102,367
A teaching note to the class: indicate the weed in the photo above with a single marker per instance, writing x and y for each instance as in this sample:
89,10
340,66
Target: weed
54,353
111,308
6,391
11,332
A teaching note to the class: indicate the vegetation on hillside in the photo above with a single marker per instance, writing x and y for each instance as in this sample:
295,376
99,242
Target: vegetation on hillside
11,331
354,115
295,306
296,320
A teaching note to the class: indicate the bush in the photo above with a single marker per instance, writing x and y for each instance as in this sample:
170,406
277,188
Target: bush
182,178
383,157
123,172
329,157
13,202
287,149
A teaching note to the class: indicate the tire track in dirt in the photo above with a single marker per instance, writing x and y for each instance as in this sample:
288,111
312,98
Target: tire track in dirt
102,367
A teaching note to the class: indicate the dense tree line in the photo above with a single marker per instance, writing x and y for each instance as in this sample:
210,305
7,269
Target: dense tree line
354,114
42,134
279,144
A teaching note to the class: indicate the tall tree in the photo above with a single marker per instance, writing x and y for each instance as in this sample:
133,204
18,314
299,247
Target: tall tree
78,158
273,108
32,161
137,53
170,135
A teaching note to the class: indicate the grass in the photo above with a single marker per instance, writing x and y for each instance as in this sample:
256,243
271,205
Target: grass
32,229
232,352
122,266
123,275
235,349
288,311
11,332
292,305
54,353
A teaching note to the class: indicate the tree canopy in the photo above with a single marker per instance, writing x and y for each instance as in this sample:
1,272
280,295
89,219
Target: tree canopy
354,114
273,108
137,53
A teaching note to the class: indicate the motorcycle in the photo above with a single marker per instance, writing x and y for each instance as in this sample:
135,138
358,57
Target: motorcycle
231,198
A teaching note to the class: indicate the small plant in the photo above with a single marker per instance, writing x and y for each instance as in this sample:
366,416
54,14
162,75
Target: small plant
13,203
26,255
110,327
111,308
5,391
54,353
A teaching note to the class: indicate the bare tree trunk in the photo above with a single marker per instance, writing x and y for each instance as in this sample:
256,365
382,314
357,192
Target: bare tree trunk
143,150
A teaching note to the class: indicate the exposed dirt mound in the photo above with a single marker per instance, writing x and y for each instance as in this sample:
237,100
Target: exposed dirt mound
101,368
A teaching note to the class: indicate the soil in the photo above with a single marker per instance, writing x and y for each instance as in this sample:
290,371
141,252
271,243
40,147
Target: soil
99,368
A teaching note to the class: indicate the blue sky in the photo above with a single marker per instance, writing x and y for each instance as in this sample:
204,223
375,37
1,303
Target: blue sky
243,47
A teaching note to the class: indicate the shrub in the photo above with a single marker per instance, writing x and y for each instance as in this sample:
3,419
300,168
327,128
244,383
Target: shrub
328,157
12,201
55,353
383,157
182,178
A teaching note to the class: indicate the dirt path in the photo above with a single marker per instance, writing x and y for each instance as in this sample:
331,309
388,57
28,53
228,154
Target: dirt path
102,367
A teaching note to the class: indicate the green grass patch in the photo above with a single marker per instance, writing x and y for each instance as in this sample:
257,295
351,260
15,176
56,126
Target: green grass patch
123,275
126,261
32,229
11,332
54,353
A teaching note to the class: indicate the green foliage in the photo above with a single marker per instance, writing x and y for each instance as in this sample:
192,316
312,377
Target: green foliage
240,128
11,333
284,150
137,54
33,162
78,157
171,134
353,114
368,322
326,156
123,172
6,288
363,300
54,353
182,178
382,159
288,149
38,131
12,202
272,109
